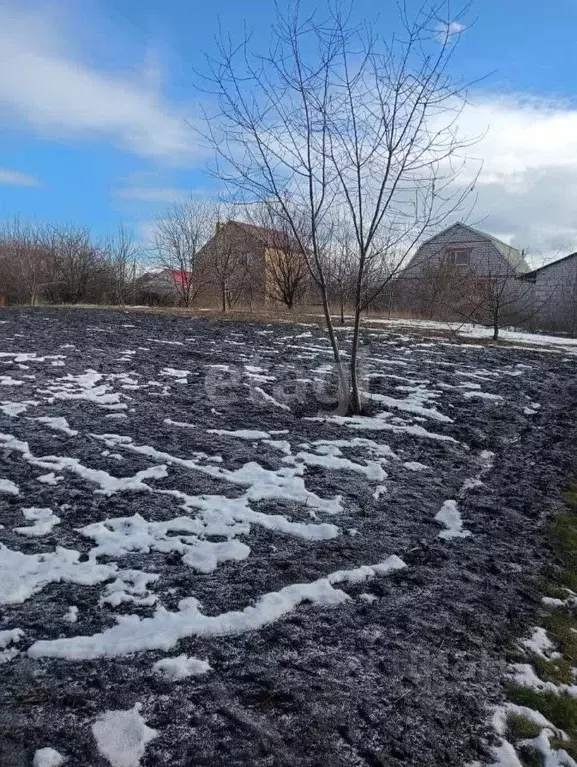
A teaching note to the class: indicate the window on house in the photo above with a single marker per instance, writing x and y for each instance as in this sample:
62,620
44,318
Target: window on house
459,256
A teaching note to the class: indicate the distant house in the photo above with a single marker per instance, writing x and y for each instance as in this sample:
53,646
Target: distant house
554,294
463,247
450,272
164,286
250,265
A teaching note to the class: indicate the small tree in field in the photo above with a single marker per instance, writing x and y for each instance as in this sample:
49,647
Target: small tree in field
177,238
497,298
335,120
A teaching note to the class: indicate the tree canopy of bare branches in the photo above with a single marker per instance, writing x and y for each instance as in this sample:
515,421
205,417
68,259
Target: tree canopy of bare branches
334,120
177,238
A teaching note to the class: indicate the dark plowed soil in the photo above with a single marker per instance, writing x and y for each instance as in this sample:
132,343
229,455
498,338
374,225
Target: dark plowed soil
402,680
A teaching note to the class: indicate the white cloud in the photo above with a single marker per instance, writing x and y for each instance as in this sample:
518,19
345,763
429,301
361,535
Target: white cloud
16,178
448,29
50,89
528,183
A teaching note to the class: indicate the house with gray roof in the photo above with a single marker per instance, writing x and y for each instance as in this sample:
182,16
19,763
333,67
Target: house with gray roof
463,247
458,268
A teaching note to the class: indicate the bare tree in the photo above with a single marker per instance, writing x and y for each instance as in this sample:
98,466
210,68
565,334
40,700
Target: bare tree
176,240
122,254
339,266
229,270
496,297
334,118
27,260
287,272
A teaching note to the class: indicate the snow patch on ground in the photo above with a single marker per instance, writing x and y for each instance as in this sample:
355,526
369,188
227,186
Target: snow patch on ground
44,520
122,736
48,757
22,575
163,630
450,517
8,487
9,637
181,667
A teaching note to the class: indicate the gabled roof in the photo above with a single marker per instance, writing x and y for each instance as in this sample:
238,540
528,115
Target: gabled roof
270,238
513,256
534,272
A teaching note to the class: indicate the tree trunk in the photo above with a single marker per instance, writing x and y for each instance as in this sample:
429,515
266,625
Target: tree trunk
342,312
344,394
223,296
355,404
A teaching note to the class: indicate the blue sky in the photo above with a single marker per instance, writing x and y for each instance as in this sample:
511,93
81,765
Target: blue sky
95,97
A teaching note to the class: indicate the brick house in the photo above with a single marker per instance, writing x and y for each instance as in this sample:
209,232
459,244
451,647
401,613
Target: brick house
243,264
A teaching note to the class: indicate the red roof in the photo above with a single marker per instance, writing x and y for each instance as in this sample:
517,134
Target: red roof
180,278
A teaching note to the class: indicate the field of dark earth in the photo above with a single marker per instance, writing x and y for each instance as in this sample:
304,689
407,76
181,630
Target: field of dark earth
201,564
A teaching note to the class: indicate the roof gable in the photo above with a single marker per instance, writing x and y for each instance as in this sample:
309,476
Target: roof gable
511,255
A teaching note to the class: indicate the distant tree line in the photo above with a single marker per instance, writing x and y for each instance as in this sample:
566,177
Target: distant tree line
65,264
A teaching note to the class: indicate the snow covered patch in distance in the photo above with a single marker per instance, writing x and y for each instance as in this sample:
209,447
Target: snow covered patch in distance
366,597
540,644
379,423
264,484
181,376
108,484
331,459
8,487
450,517
164,629
267,398
22,575
250,434
181,667
9,381
415,466
50,478
48,757
409,405
9,637
130,586
121,736
85,386
57,424
121,535
182,424
13,409
482,395
43,520
71,616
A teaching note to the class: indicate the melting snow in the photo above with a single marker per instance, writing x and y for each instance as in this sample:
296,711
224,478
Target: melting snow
7,486
57,424
181,667
44,520
22,575
48,757
162,631
121,736
450,516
